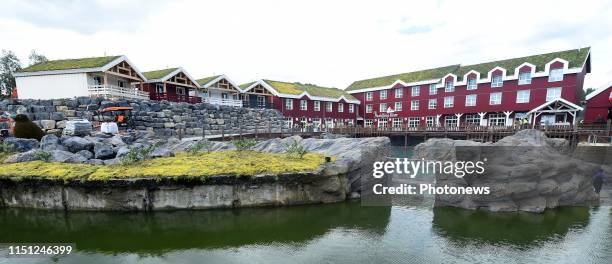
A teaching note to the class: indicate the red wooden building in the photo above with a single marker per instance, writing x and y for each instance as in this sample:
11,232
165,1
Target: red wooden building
599,106
304,105
538,89
173,84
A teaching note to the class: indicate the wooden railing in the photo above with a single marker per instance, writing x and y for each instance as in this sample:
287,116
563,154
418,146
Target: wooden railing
111,91
220,101
176,98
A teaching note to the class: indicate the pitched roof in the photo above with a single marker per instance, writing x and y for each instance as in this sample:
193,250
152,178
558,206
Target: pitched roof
297,88
416,76
206,80
69,64
575,57
246,85
158,74
598,91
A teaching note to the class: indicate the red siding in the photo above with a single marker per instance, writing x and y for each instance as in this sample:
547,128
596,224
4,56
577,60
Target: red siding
598,106
279,103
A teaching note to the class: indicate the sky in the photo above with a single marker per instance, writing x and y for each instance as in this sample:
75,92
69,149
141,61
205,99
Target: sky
329,43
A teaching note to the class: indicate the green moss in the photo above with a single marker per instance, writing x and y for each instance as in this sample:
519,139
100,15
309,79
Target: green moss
240,163
416,76
206,80
158,74
314,90
68,64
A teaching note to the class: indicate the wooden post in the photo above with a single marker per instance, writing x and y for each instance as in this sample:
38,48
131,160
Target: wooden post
222,134
256,130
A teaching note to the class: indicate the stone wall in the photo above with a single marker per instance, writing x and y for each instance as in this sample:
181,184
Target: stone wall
164,118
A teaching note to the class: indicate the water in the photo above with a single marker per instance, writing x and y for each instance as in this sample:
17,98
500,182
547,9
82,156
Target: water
411,231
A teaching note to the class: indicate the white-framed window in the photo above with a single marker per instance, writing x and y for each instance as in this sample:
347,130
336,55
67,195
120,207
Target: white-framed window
433,103
368,108
351,108
433,89
316,122
398,106
449,86
472,119
449,101
471,84
399,92
317,106
340,107
397,123
383,122
288,122
179,90
98,80
430,121
382,108
303,105
497,120
329,123
369,96
497,81
524,78
121,83
495,98
368,123
383,94
159,88
414,105
261,101
413,122
522,96
416,90
553,93
555,75
289,104
328,107
470,100
451,120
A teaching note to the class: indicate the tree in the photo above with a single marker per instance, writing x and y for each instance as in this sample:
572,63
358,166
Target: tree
36,58
9,63
584,93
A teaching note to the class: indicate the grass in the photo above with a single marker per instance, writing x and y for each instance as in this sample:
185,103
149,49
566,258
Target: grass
70,64
206,80
314,90
158,74
239,163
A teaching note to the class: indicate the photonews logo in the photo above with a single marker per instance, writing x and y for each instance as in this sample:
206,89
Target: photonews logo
412,168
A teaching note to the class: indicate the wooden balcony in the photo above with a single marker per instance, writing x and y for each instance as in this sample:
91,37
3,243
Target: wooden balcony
111,91
219,101
176,98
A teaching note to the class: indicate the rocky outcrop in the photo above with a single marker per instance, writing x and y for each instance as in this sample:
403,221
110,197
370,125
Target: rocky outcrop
525,172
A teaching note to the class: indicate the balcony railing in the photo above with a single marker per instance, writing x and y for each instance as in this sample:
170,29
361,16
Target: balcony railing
250,104
176,98
111,91
220,101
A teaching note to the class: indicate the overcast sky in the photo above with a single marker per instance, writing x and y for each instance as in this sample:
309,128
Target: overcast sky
330,43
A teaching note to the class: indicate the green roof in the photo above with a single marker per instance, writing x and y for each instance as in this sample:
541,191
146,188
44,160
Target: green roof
69,64
158,74
416,76
314,90
575,57
206,80
245,85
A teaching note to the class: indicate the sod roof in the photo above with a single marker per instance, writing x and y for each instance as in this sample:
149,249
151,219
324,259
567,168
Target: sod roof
158,74
416,76
206,80
246,85
314,90
69,64
575,57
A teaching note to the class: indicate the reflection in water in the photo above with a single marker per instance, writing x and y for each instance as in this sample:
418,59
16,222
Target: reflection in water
154,233
521,229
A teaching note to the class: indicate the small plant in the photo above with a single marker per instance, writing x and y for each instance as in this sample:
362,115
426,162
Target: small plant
295,149
7,148
203,144
136,154
43,155
244,144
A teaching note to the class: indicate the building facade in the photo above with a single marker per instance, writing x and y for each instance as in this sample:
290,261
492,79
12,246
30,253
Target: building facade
173,85
304,105
220,90
498,93
599,106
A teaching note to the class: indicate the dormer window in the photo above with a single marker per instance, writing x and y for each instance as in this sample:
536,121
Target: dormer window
556,75
399,92
471,84
524,78
497,81
449,86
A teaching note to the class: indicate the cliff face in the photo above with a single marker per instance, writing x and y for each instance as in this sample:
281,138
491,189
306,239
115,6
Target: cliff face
525,172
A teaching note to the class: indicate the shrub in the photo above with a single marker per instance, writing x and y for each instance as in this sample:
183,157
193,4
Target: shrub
136,154
244,144
203,144
7,148
295,149
43,155
24,128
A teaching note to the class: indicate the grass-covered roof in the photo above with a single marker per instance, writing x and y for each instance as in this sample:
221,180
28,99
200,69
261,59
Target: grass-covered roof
408,77
158,74
575,58
70,64
206,80
297,88
246,85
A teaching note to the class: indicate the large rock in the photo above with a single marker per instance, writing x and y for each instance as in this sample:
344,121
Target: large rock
22,144
30,155
51,142
103,151
76,144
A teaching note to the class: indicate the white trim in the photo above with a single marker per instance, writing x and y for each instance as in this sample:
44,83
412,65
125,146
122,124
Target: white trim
442,82
598,91
120,59
173,73
577,108
219,78
372,89
298,96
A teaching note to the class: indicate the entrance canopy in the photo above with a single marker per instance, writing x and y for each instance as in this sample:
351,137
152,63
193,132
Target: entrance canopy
558,105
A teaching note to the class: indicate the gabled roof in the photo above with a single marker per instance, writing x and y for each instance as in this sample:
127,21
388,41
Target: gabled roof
575,57
560,100
69,64
206,80
598,91
246,85
409,77
297,90
158,74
